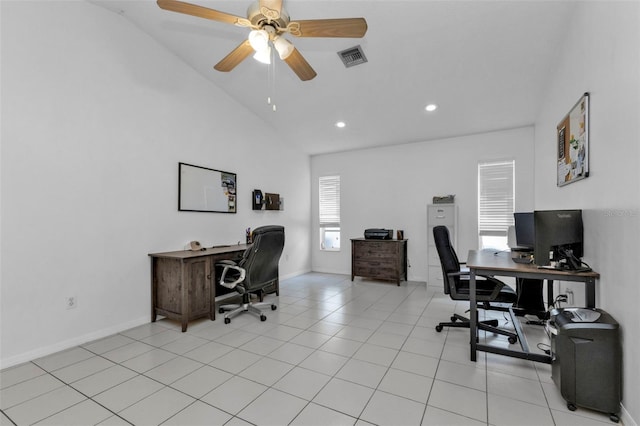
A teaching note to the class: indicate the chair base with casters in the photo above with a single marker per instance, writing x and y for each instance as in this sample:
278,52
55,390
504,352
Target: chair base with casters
246,306
458,321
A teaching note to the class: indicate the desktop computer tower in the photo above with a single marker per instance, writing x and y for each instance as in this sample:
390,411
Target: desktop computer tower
587,359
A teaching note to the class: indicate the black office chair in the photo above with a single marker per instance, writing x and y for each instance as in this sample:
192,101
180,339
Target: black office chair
255,272
456,285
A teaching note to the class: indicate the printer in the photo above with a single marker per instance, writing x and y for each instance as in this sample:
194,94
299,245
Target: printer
378,234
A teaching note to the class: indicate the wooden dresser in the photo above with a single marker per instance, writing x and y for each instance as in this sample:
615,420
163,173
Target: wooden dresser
379,259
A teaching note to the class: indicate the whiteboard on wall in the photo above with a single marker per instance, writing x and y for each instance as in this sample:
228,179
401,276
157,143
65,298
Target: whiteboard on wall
201,189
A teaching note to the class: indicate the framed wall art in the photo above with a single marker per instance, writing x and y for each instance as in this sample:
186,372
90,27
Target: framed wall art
573,143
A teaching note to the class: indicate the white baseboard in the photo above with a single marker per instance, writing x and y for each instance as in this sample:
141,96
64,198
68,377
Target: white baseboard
626,418
80,340
294,274
332,271
70,343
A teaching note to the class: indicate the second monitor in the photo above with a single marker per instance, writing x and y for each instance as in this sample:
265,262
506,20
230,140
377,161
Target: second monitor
554,235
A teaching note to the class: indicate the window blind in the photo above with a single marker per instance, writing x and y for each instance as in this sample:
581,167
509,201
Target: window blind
329,201
496,202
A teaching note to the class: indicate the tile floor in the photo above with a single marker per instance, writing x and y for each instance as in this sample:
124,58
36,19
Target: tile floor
333,353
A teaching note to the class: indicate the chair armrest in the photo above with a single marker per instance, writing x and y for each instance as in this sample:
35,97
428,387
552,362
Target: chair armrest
234,283
498,284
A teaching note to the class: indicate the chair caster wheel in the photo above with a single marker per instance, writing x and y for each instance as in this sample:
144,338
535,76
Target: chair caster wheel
220,311
438,328
512,339
227,320
274,307
263,317
614,418
571,407
454,319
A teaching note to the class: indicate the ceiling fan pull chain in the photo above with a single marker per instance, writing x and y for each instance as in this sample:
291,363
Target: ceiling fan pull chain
271,72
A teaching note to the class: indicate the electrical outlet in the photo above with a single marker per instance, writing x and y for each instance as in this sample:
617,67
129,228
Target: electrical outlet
569,297
71,302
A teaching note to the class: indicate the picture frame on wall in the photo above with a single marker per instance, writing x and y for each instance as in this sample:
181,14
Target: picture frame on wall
573,143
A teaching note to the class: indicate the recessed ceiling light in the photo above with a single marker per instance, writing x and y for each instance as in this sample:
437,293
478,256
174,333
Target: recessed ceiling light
340,124
431,107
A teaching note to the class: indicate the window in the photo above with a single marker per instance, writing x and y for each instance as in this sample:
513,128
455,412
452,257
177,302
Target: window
329,212
496,181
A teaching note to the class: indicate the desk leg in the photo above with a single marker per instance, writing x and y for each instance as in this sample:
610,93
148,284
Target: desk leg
185,303
550,293
473,315
154,291
590,292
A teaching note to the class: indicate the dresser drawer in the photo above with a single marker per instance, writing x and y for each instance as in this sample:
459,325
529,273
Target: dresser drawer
373,255
441,215
374,247
435,276
382,271
374,263
433,258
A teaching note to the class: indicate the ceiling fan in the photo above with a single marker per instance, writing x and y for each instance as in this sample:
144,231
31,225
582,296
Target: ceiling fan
268,21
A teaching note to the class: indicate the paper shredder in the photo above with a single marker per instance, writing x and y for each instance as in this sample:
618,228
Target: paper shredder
587,358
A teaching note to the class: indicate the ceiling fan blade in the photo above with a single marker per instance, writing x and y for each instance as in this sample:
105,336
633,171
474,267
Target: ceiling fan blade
300,66
345,27
236,56
203,12
271,9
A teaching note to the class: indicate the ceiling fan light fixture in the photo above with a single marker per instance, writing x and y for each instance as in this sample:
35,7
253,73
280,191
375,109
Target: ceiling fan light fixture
263,56
283,46
259,40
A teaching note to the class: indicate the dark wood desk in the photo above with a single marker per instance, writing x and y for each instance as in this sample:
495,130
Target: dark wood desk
487,263
183,283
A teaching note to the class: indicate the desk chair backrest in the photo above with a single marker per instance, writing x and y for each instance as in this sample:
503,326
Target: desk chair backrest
261,259
448,258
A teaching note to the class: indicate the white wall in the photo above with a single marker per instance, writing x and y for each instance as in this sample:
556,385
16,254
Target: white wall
95,118
390,187
602,56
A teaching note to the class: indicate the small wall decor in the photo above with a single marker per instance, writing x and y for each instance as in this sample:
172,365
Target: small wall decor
573,143
256,199
272,201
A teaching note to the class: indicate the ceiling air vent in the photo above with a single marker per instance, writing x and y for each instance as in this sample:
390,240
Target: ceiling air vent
352,56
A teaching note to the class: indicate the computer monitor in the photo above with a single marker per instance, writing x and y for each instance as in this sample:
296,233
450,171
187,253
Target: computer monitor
558,237
525,231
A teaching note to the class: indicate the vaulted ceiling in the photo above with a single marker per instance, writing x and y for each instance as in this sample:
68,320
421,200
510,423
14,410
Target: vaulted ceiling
485,64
